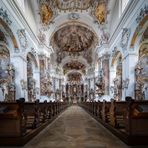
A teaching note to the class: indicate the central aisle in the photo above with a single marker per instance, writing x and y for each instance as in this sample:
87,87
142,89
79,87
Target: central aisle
75,129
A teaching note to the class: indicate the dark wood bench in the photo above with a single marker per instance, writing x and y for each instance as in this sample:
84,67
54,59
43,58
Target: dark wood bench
32,112
137,118
117,113
105,111
12,119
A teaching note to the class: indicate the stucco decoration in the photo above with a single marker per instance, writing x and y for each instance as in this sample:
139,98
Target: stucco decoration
41,37
45,79
73,4
7,76
22,38
73,16
141,74
104,38
125,38
4,15
117,88
100,83
142,14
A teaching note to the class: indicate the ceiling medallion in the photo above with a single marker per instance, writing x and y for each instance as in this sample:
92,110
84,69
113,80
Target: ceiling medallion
73,16
42,37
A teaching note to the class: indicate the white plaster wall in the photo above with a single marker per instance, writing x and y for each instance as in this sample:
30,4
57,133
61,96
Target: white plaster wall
20,65
115,17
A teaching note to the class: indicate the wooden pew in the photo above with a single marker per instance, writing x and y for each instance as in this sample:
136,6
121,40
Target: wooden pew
117,113
32,112
105,111
99,109
126,119
20,121
137,117
12,119
44,111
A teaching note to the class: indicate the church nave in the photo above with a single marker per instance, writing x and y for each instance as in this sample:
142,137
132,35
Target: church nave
75,128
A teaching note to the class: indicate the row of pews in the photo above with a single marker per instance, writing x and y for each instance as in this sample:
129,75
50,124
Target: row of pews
20,121
128,119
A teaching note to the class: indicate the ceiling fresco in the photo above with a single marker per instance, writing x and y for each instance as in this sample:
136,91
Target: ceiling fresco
74,40
46,13
74,65
101,12
73,37
49,9
73,4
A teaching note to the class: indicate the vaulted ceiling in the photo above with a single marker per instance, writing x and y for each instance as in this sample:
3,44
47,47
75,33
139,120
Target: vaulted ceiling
74,40
73,28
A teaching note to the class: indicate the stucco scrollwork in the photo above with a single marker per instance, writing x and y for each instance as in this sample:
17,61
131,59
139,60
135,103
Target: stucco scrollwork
142,14
4,15
125,38
22,38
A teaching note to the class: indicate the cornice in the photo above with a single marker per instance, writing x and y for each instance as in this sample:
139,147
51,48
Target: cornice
19,16
131,6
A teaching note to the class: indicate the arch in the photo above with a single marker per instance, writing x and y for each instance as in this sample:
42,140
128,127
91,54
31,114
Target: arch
74,71
72,23
9,31
139,29
67,59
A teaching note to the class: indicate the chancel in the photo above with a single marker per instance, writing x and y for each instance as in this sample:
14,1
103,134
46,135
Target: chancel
74,73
